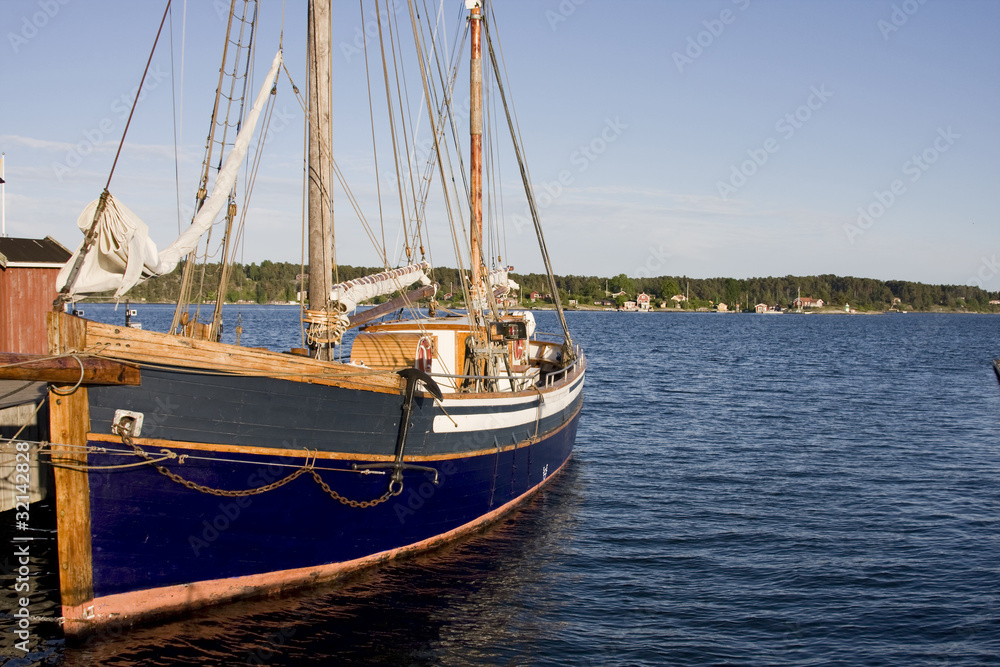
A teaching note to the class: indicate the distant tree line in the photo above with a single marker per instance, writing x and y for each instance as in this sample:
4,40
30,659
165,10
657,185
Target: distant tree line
267,282
270,282
860,293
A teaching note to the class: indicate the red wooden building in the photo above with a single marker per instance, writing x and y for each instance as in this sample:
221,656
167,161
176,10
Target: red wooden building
28,269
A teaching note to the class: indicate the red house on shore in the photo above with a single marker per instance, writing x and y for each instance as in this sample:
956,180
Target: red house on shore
807,302
28,270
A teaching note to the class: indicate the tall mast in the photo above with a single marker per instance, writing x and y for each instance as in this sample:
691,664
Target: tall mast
476,130
320,201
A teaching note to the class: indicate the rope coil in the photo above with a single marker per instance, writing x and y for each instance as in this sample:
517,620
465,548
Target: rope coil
325,328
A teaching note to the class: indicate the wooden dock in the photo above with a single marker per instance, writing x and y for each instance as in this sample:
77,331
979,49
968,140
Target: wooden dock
18,403
28,272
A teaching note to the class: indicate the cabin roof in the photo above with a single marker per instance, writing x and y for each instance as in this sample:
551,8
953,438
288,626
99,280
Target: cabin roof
32,251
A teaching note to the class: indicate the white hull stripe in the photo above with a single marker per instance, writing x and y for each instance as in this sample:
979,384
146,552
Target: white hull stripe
486,420
524,399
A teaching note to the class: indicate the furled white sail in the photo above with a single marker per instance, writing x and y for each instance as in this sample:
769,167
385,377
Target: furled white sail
498,278
124,255
349,294
118,258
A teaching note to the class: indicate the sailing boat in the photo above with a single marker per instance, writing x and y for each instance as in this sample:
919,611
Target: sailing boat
189,471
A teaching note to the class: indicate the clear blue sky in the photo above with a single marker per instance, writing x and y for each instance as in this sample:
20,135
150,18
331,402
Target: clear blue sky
711,138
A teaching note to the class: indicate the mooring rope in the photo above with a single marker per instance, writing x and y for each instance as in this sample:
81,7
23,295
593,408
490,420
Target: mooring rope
27,422
167,455
73,389
123,429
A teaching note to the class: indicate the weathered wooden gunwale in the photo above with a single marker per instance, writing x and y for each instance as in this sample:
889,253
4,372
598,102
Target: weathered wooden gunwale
159,349
67,370
150,347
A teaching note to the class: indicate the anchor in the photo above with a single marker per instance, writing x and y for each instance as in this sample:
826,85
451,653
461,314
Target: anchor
412,376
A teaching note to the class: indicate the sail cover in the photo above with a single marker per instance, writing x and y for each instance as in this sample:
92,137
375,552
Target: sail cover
124,255
349,294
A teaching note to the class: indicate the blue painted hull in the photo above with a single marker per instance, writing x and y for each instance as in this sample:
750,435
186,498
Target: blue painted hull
150,532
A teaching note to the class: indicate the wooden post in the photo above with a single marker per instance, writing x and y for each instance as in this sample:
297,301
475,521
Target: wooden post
69,421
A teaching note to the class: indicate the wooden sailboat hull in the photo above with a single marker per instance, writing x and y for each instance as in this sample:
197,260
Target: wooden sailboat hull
159,548
139,542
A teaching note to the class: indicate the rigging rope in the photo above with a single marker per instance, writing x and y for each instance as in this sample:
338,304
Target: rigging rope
392,129
568,353
371,116
91,237
26,423
48,447
174,107
402,95
438,140
343,182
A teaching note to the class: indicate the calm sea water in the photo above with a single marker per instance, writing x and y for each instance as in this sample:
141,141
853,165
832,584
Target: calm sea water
746,490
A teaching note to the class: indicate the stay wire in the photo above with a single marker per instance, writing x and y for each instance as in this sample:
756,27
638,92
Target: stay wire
402,93
371,116
438,140
325,150
174,108
392,128
135,102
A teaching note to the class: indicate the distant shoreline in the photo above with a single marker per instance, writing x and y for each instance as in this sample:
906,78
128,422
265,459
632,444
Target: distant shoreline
828,310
